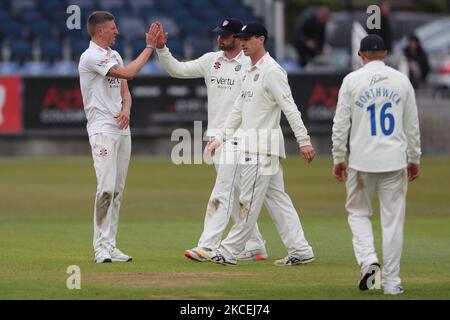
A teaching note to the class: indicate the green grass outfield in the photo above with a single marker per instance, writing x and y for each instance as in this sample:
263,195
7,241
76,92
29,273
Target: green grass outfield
46,225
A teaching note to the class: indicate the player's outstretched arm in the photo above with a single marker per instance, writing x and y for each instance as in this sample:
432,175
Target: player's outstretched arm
130,71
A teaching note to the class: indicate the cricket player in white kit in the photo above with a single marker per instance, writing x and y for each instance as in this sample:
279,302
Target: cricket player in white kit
107,104
222,71
265,93
377,109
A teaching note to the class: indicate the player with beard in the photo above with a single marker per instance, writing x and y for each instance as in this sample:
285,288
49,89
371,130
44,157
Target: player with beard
222,71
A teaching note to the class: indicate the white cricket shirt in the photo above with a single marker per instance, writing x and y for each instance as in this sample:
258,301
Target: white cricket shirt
223,79
101,95
265,93
377,108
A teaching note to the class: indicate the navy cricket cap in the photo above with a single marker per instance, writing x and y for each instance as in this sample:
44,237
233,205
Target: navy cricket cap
372,42
252,29
228,27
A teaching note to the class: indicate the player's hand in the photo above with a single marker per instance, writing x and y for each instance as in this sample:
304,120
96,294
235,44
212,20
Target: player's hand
123,119
340,171
308,153
162,39
211,147
153,34
413,171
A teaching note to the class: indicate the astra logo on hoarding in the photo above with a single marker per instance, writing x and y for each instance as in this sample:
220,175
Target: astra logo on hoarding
324,96
62,99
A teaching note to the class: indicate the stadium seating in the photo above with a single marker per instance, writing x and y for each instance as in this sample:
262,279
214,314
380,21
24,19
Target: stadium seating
34,36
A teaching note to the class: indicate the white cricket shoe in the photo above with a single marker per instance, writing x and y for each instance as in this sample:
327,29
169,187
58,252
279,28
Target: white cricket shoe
102,256
394,291
216,256
292,261
193,254
119,256
257,254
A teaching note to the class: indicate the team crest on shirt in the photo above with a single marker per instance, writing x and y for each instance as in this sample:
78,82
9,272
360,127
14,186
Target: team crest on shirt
238,67
256,77
217,65
103,152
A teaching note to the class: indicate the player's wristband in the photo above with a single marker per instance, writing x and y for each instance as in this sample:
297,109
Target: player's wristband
150,46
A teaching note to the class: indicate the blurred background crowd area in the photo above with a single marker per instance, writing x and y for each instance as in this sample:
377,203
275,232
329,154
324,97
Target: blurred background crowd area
35,39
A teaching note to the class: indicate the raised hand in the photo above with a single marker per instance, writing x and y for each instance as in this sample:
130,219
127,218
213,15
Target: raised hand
162,39
153,34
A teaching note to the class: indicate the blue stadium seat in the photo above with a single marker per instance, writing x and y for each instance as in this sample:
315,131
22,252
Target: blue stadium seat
64,68
51,49
4,14
21,50
170,6
176,47
10,29
170,25
136,48
77,47
132,28
52,5
29,15
41,28
194,26
108,5
19,5
201,4
119,47
141,6
35,68
10,68
197,46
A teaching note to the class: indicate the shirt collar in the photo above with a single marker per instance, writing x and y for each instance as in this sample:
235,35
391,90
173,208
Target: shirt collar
375,64
93,45
239,58
260,63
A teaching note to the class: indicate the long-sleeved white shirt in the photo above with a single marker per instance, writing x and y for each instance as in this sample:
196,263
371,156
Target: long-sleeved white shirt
265,93
223,79
377,108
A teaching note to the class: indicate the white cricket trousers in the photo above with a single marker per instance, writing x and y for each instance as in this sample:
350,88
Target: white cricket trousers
224,200
392,188
111,154
262,182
